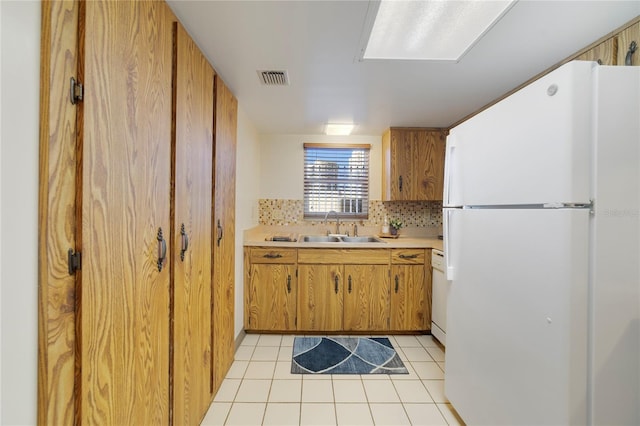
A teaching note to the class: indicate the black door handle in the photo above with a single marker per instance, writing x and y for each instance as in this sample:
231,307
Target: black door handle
185,242
162,249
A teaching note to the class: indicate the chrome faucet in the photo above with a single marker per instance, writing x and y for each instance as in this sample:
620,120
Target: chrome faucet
337,220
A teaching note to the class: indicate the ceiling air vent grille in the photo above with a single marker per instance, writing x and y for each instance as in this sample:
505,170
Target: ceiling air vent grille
274,78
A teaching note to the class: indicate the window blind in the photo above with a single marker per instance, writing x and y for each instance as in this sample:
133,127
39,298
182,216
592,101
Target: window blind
336,177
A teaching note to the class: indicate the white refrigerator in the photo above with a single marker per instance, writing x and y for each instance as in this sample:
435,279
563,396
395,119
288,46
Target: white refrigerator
541,226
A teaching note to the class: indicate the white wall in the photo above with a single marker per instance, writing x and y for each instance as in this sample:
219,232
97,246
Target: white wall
282,157
247,178
19,86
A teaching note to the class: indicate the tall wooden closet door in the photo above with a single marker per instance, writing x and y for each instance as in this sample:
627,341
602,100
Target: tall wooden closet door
225,131
126,141
192,232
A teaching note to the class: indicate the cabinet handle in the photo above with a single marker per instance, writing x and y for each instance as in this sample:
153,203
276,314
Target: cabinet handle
397,283
408,256
185,242
349,283
289,283
162,250
219,233
629,58
400,183
336,286
272,255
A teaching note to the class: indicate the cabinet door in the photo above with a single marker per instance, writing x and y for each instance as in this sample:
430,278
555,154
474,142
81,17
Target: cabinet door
191,254
225,128
402,170
408,298
320,289
126,152
366,298
413,164
604,53
428,163
272,298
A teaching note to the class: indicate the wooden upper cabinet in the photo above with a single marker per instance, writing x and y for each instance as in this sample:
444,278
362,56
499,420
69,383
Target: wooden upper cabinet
413,164
123,323
604,53
625,38
192,236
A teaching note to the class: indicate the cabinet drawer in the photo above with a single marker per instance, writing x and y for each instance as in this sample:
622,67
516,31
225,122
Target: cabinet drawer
344,256
273,255
407,256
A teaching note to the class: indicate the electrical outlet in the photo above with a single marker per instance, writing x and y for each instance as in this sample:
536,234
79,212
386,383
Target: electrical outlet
277,214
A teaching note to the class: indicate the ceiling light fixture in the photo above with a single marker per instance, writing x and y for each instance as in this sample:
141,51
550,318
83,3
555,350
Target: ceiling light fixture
338,129
442,30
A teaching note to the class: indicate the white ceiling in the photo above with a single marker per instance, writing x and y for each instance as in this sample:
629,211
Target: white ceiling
318,43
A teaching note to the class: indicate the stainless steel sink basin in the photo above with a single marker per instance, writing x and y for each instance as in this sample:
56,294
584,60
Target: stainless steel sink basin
339,239
361,240
320,239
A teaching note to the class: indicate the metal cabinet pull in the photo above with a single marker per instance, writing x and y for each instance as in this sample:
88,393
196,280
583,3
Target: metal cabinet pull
349,283
397,283
408,256
272,255
219,233
162,250
185,242
289,283
628,60
400,183
336,286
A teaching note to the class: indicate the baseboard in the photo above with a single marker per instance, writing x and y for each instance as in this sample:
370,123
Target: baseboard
239,340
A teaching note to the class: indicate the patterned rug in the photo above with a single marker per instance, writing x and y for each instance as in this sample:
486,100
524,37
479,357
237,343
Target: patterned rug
345,355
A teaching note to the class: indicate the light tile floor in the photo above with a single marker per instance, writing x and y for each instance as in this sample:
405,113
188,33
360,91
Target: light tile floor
260,389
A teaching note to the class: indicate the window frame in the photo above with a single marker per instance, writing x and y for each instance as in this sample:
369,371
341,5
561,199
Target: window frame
341,179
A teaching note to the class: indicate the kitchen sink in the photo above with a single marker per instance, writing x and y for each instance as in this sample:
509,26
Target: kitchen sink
320,239
341,239
361,240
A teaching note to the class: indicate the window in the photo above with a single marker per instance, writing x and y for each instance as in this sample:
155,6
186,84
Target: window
336,177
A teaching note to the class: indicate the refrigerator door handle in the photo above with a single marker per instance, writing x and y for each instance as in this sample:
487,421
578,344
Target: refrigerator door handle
448,166
449,269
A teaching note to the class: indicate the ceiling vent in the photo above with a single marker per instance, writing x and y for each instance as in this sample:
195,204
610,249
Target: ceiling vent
273,78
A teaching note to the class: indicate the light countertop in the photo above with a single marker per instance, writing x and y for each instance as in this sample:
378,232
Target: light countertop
261,236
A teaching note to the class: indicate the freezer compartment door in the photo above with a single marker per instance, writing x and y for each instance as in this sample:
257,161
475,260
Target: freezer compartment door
517,316
531,148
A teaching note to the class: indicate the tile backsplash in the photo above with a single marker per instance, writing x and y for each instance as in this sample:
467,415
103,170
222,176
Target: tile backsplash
418,214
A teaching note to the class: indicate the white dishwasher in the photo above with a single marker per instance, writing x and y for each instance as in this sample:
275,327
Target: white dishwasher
440,292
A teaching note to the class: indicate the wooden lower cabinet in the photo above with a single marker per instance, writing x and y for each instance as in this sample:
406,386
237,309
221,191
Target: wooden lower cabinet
334,290
271,290
320,297
411,290
366,298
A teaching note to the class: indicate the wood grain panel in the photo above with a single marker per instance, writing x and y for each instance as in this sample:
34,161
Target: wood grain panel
273,255
124,315
319,304
57,214
604,53
413,164
273,297
408,298
402,170
625,38
341,256
366,298
225,132
192,203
